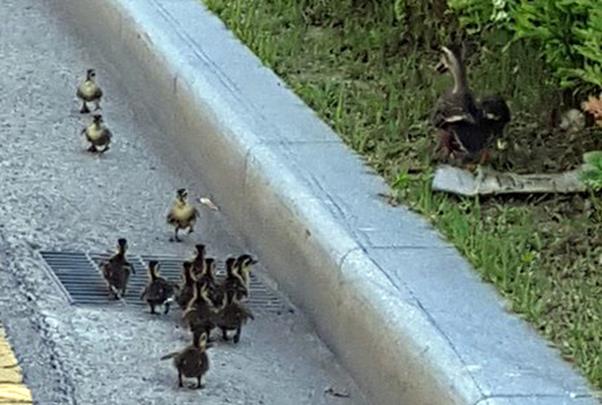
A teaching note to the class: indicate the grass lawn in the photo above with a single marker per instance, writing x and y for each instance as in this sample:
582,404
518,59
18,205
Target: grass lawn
350,64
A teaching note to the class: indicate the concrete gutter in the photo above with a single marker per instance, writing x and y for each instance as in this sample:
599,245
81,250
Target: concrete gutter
402,310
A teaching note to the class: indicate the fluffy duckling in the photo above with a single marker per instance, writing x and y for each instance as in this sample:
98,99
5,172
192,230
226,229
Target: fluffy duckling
187,286
182,214
233,281
116,271
198,262
200,313
208,279
232,316
192,362
243,271
98,135
89,91
158,291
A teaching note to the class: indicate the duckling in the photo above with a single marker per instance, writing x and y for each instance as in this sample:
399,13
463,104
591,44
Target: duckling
187,286
200,313
208,279
233,281
456,114
98,135
182,214
89,91
116,271
192,362
158,291
198,262
232,316
243,271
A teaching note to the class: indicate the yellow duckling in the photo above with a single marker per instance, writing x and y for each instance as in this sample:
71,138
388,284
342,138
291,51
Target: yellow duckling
98,135
88,91
182,214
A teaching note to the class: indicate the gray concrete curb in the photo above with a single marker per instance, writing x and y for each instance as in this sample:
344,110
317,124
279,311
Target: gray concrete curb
401,309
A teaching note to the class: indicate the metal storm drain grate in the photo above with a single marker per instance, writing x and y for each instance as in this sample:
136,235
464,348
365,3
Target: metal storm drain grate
78,274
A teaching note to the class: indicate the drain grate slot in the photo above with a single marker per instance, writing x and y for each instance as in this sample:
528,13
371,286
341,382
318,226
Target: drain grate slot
78,274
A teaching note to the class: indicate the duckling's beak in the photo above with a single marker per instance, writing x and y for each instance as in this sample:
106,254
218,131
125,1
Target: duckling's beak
254,261
208,345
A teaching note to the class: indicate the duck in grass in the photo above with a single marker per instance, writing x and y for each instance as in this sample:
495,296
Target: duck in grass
466,126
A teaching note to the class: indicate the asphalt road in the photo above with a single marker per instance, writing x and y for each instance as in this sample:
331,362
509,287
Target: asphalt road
54,195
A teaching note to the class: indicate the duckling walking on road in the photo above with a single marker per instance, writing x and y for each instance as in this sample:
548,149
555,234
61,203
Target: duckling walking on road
200,313
158,291
89,91
182,214
243,272
198,262
232,316
187,287
98,135
116,271
232,281
192,362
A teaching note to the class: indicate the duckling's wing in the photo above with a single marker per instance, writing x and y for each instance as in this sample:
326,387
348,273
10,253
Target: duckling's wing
108,135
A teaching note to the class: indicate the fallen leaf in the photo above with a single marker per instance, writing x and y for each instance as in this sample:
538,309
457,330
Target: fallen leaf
206,201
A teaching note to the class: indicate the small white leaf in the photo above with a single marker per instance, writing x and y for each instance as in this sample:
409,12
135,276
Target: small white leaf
206,201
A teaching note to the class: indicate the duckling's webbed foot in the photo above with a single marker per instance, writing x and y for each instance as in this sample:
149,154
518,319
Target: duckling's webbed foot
152,309
84,109
106,148
97,104
166,311
92,149
225,335
180,384
237,336
190,229
175,237
199,386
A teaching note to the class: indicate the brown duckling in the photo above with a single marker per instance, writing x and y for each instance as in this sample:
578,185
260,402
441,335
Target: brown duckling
208,279
89,91
243,271
182,214
200,313
198,262
98,135
232,316
116,271
192,362
158,291
233,281
187,287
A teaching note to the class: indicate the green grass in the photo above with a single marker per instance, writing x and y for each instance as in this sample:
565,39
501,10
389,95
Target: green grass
351,64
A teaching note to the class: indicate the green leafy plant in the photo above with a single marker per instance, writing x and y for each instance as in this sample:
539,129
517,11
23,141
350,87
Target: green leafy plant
568,33
476,16
591,173
563,29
